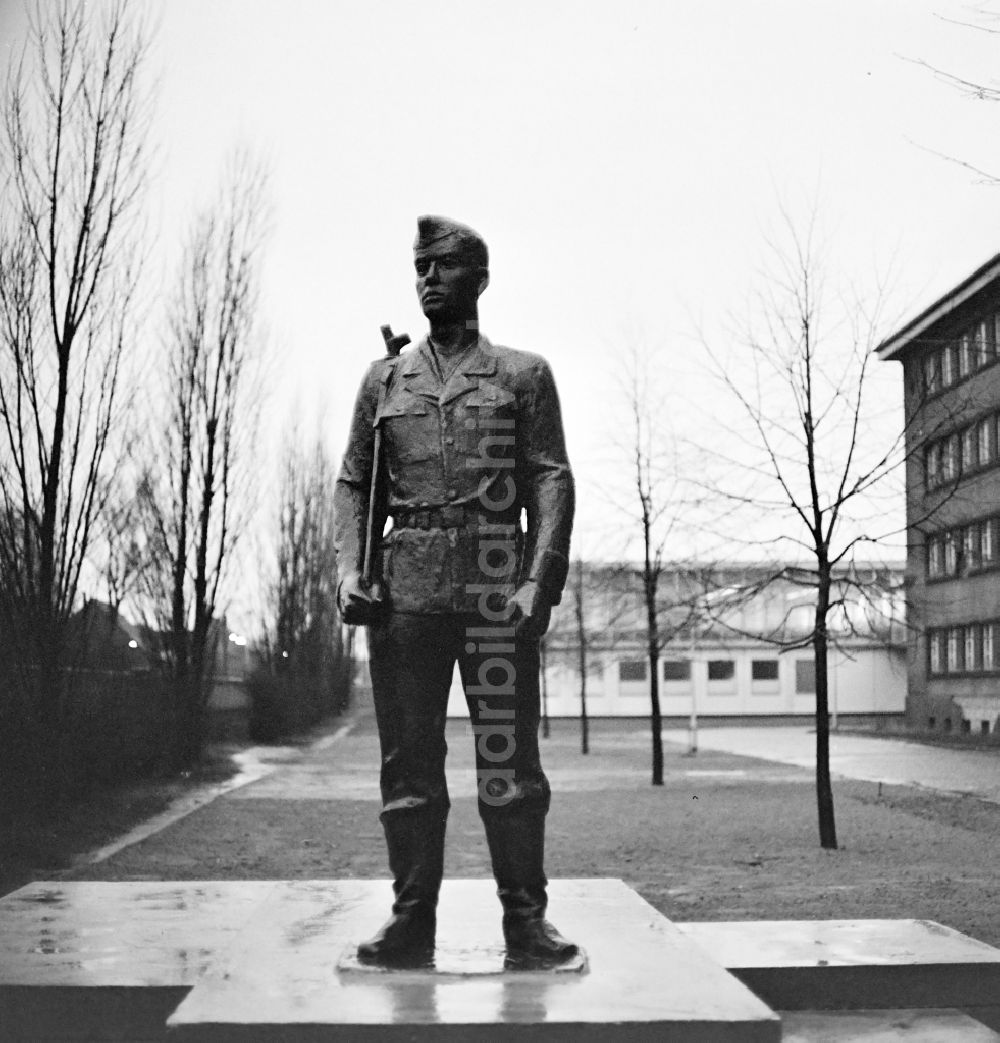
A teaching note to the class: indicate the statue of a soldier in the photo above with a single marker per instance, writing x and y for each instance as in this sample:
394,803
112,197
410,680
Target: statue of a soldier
471,437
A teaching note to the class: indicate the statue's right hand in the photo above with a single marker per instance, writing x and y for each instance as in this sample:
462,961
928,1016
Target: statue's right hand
359,604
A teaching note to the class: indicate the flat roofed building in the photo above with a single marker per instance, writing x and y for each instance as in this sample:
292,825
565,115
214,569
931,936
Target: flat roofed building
949,354
734,642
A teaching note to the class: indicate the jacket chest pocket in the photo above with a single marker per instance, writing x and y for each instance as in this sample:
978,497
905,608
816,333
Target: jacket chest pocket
411,430
488,424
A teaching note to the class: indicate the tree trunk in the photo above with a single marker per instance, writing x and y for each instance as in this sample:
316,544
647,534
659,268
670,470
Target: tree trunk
655,718
653,647
824,790
584,724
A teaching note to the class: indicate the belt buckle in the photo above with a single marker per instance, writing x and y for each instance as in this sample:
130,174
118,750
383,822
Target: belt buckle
422,519
452,516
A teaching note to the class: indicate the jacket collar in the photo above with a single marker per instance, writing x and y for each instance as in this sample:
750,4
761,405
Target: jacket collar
418,371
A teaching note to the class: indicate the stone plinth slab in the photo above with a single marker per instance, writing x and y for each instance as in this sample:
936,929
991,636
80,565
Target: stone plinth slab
884,1026
111,961
644,979
831,964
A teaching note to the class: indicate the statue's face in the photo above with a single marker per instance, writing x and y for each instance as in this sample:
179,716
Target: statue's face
448,285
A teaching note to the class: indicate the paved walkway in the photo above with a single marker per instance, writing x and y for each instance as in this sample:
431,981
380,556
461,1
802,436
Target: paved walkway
893,761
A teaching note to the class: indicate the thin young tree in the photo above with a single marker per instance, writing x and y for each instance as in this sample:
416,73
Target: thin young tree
304,639
652,505
197,503
72,170
808,460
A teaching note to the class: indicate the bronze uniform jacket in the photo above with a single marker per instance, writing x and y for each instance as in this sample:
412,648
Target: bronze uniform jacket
476,451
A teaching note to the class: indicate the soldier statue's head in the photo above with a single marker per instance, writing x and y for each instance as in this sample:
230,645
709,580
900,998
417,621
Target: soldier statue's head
452,265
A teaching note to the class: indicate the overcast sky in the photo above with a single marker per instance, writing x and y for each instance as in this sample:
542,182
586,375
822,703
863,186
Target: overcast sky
622,159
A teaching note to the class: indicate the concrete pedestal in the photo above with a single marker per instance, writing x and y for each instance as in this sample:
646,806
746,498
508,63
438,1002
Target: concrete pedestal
111,961
884,1026
644,979
854,964
275,960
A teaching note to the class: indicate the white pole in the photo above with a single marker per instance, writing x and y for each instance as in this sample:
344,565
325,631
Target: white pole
693,721
833,700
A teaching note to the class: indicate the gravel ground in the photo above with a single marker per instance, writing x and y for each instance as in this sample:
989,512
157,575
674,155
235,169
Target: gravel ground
725,837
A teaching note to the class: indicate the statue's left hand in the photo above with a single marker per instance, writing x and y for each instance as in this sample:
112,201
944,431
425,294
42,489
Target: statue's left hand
531,611
359,603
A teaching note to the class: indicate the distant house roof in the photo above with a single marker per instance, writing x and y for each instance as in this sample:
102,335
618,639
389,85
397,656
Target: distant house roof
892,346
102,638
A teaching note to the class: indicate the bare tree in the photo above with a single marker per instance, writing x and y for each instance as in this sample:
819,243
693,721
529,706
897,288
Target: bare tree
305,587
655,509
123,547
307,649
74,121
973,88
196,503
802,462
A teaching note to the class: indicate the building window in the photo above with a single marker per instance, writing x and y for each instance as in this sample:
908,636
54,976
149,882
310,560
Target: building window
947,367
764,670
932,373
989,646
949,458
950,554
973,658
932,465
984,438
632,670
676,670
805,676
721,669
935,557
970,547
969,449
953,664
982,344
965,364
988,541
932,383
934,646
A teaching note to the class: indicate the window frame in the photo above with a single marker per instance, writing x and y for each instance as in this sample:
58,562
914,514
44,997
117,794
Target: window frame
968,450
686,679
965,366
623,663
985,450
775,662
805,668
728,678
935,659
947,366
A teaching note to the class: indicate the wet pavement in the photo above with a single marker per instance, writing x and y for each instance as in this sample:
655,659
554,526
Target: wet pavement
892,761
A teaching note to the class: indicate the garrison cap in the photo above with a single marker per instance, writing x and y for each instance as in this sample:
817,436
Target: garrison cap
432,230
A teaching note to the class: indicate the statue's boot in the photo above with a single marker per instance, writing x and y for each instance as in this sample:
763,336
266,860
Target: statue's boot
415,839
517,848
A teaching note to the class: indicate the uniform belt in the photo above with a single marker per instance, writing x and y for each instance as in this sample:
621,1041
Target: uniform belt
451,516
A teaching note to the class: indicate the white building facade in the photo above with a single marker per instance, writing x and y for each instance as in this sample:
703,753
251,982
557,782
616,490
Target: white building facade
734,644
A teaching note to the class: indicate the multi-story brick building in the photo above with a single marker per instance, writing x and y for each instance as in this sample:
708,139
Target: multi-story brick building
951,378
